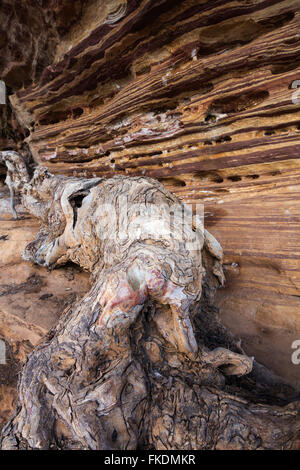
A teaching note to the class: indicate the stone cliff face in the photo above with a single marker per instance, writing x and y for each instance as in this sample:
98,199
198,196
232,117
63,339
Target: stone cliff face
201,95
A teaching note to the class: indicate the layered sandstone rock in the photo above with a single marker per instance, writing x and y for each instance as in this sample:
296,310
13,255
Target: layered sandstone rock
201,95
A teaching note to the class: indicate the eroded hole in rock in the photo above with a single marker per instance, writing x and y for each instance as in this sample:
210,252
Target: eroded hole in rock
253,177
54,118
224,139
173,182
143,70
208,176
221,190
271,132
238,103
218,179
286,66
77,112
234,178
278,21
210,118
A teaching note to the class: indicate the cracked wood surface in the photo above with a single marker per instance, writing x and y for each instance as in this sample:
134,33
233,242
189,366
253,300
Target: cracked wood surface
201,95
125,367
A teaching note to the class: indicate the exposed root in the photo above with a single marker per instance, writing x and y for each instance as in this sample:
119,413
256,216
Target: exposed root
123,369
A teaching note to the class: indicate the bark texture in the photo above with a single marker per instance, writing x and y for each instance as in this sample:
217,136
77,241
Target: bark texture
201,95
128,366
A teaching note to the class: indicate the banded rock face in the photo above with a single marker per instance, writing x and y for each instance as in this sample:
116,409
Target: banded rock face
202,96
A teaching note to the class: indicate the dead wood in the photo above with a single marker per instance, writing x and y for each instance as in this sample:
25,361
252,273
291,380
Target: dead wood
128,366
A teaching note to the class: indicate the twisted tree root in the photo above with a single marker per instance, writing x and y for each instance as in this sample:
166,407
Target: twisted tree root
124,368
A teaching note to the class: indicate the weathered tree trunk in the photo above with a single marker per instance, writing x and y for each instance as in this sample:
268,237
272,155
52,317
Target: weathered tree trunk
129,365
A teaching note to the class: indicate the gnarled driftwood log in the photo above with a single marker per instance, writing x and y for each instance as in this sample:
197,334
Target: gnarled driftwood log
125,367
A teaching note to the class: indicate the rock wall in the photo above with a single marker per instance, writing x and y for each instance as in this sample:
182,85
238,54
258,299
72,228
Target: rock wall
201,95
